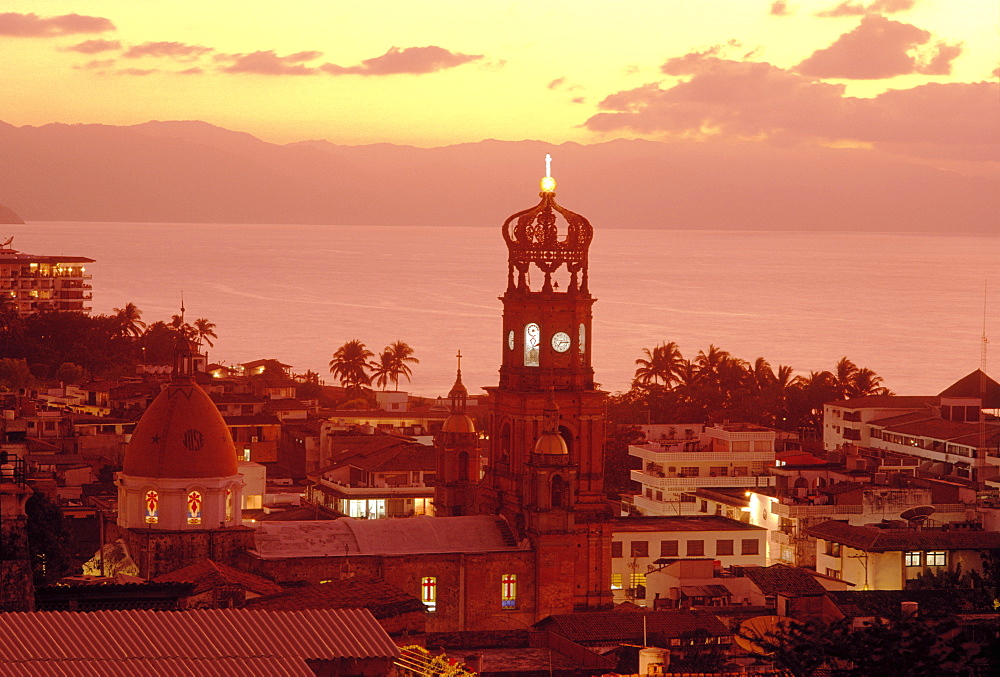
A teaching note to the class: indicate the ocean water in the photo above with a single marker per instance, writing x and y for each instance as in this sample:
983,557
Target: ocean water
909,306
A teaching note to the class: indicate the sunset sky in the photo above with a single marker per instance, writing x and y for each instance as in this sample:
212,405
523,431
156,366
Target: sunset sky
915,76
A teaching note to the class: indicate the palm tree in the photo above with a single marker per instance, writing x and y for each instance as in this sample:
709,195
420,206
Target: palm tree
660,364
867,382
844,376
130,319
710,362
349,364
178,324
382,369
205,331
400,354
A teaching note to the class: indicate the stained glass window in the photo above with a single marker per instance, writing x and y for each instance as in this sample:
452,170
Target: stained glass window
508,591
194,502
428,592
152,501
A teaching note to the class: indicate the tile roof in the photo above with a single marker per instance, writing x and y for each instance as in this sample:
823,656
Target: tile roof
623,626
976,384
887,402
932,603
402,536
208,574
381,598
781,579
684,523
873,539
29,637
216,666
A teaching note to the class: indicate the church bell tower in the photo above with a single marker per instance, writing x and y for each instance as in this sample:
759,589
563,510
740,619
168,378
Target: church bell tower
545,469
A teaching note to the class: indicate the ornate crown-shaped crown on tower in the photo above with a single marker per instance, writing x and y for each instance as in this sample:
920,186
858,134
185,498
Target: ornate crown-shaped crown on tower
533,237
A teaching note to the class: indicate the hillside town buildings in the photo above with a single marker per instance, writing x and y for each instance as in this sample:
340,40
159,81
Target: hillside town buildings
482,523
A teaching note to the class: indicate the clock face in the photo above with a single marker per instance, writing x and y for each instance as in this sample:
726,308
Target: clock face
510,340
560,342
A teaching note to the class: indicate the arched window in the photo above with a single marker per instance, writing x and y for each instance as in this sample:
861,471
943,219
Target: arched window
508,591
194,505
801,483
151,503
428,592
532,341
582,343
463,467
504,443
230,503
558,492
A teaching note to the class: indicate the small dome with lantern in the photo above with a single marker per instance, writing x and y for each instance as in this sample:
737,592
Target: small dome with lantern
458,421
551,442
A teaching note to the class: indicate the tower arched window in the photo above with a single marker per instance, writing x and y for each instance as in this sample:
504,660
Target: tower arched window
532,343
558,492
230,503
582,343
151,506
463,466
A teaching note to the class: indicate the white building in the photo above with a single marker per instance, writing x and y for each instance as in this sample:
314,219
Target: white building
737,456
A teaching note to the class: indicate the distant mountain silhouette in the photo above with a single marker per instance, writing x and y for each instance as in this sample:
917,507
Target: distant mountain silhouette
7,215
195,172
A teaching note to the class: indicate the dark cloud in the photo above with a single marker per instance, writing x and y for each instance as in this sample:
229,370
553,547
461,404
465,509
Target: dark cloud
174,50
411,60
96,63
848,8
269,63
880,48
742,99
34,26
94,46
779,8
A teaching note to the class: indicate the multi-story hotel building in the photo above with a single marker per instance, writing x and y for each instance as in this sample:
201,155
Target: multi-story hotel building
726,456
33,284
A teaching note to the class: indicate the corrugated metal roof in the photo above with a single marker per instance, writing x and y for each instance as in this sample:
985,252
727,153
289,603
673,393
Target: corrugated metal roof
225,666
194,634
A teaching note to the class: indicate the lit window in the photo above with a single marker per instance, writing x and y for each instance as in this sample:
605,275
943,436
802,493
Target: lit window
912,559
638,585
532,340
428,592
583,338
152,500
616,581
937,558
229,505
508,591
194,507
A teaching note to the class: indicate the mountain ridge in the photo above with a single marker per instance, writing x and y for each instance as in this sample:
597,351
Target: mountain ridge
193,171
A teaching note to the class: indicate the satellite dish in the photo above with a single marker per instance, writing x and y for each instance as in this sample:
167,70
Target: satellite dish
758,626
917,514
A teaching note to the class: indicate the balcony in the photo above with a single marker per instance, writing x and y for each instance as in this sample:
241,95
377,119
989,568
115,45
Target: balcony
681,483
649,506
677,453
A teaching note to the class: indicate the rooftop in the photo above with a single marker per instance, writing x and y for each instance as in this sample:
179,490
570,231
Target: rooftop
874,539
404,536
381,598
624,626
683,523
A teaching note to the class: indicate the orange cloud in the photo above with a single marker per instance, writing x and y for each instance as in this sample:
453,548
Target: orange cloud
95,46
880,48
779,8
848,8
175,50
269,63
96,63
746,99
34,26
411,60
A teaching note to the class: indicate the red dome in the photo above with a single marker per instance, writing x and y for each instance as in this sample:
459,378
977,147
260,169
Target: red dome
181,435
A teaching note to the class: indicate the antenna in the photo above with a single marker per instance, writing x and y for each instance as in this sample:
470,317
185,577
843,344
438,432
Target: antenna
986,341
